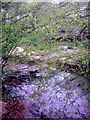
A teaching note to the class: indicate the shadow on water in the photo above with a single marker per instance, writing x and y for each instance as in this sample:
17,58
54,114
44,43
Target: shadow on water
63,95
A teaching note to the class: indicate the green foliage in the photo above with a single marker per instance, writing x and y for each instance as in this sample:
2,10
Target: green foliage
10,37
85,44
70,47
41,21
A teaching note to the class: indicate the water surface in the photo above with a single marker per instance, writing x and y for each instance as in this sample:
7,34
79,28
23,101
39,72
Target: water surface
63,95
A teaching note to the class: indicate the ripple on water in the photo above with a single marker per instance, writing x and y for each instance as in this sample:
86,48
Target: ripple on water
56,97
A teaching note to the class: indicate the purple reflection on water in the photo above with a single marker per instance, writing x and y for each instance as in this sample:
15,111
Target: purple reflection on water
61,96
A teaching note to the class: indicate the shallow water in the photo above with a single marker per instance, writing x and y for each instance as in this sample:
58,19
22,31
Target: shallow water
63,95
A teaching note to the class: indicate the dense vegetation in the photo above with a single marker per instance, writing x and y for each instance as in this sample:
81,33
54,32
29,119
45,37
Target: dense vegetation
38,40
40,27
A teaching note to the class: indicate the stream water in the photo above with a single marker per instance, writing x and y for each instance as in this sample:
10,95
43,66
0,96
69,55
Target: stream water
63,95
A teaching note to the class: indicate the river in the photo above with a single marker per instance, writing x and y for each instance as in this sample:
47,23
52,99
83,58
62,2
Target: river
62,95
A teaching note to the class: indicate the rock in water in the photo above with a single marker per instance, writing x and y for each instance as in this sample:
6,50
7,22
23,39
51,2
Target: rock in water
33,73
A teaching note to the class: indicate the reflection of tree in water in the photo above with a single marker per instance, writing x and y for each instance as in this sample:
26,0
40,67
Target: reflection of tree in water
54,97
